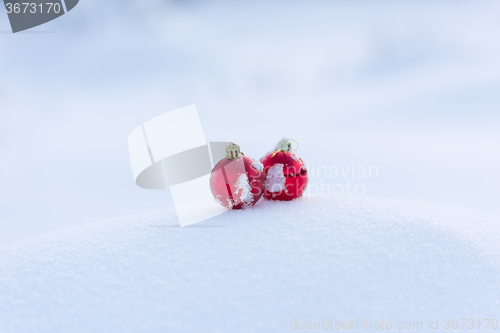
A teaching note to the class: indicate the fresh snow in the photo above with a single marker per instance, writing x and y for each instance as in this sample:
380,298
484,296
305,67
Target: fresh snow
408,88
275,180
243,185
258,166
336,258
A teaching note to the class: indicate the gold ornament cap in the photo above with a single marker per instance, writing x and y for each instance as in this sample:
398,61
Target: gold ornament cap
284,145
233,151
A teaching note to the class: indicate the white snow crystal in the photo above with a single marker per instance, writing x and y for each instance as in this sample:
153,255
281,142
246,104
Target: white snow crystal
258,166
275,181
243,185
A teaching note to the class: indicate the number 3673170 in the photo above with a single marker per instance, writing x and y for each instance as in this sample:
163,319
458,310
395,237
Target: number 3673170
33,8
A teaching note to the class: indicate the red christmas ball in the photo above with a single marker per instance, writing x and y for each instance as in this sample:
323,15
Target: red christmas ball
237,181
286,174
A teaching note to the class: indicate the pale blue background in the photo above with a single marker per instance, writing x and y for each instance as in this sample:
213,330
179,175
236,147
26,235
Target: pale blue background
409,87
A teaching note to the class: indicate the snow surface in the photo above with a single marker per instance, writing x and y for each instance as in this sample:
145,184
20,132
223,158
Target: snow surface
337,258
408,87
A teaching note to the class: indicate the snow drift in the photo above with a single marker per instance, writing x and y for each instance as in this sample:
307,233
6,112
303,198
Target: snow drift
334,258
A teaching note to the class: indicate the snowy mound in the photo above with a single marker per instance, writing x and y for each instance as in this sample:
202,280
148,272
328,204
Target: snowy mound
312,259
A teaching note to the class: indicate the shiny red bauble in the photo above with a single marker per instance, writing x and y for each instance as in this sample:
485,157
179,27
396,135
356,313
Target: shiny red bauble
237,181
286,174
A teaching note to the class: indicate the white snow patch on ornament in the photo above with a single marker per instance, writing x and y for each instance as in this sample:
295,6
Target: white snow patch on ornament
275,181
243,185
258,166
